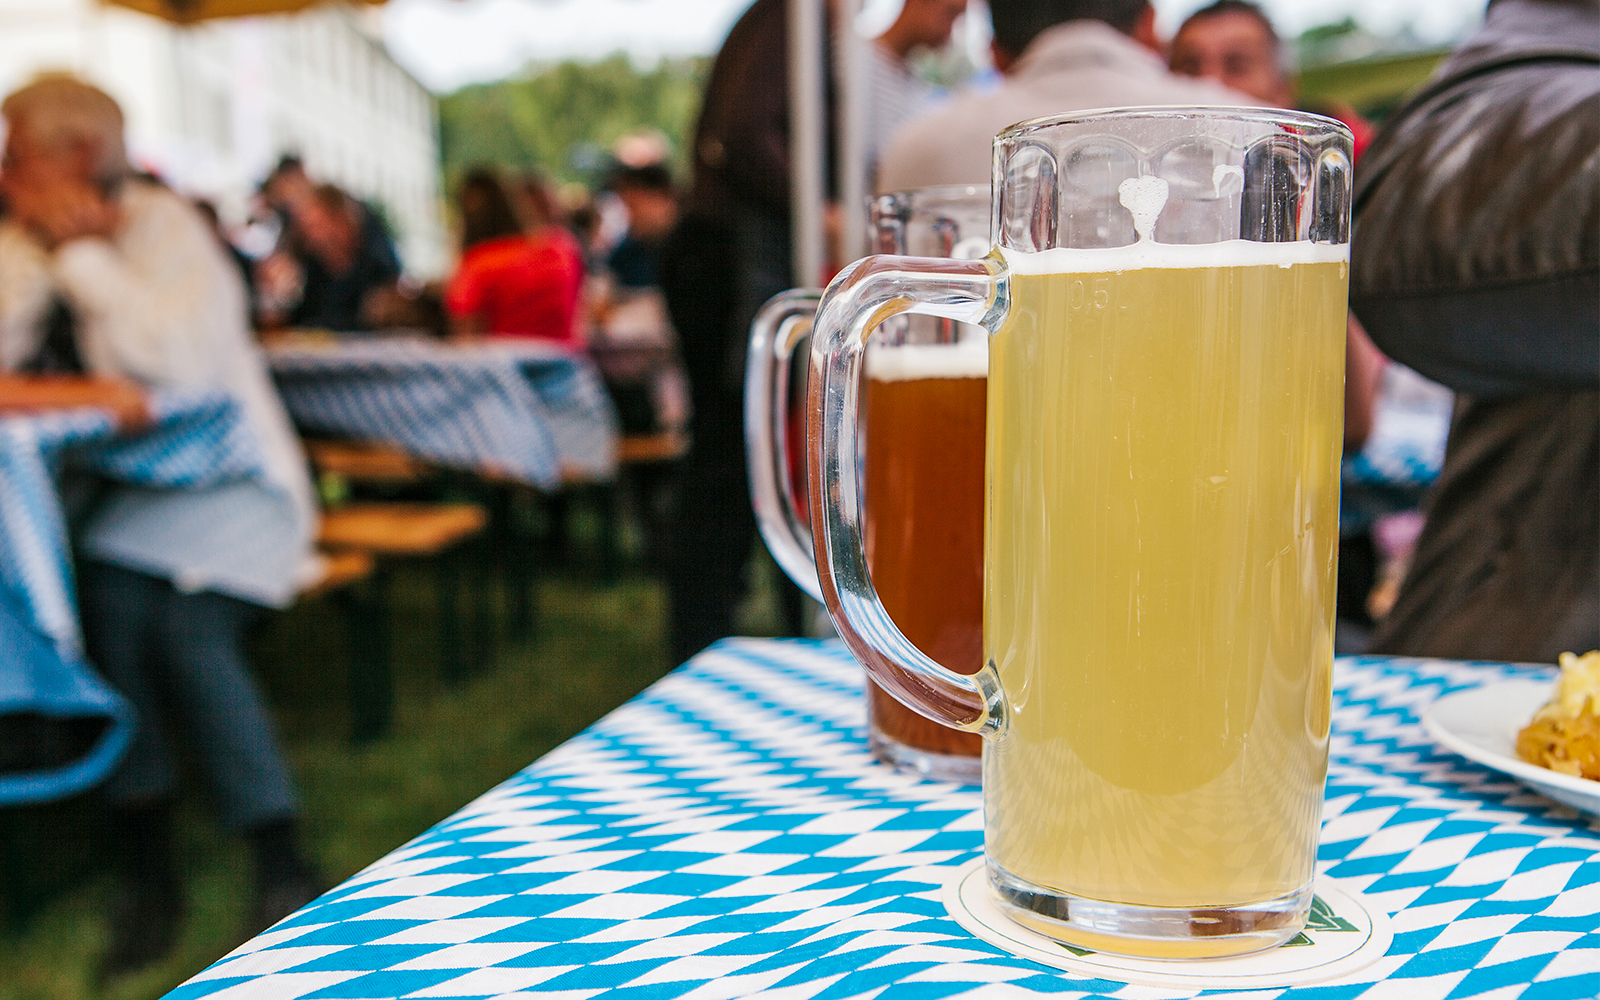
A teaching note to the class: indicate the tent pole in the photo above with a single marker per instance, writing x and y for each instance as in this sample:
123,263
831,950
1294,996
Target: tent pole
852,181
806,138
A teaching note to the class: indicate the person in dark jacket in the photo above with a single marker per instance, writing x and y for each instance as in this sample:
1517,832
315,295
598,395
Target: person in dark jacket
347,257
1476,261
728,254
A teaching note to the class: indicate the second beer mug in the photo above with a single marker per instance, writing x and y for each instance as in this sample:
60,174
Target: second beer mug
923,423
1166,308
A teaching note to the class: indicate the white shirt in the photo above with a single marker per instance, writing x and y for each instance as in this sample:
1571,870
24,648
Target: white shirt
159,303
1071,67
894,94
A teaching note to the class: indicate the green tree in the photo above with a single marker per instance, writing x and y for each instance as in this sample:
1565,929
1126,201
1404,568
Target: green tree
547,119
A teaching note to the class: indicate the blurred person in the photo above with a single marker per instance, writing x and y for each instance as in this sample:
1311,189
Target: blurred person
651,200
1056,56
1234,43
512,283
1475,260
644,148
537,203
241,260
124,280
634,344
729,253
345,255
287,187
894,91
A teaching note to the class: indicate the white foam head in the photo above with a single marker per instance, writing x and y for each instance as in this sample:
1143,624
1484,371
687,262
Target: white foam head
1144,198
968,358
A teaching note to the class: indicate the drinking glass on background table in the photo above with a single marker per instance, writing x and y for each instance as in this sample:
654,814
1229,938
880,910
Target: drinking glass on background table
923,421
1166,304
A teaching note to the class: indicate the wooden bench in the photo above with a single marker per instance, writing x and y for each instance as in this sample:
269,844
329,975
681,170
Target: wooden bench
434,531
369,674
400,529
360,462
339,570
644,449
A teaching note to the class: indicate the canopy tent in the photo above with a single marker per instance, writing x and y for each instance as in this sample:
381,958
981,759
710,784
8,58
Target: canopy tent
192,11
806,89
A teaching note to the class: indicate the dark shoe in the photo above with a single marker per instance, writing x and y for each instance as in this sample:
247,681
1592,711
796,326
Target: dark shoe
144,919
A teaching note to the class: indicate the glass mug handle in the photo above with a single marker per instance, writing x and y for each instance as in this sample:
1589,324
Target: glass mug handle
855,304
778,328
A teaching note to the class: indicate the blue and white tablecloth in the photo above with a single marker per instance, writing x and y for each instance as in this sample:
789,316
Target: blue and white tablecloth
1404,453
196,439
533,412
725,834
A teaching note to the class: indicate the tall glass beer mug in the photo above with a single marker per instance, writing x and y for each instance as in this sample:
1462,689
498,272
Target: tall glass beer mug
1166,305
923,423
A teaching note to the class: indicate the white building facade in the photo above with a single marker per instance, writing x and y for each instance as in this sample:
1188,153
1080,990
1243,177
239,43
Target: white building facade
211,108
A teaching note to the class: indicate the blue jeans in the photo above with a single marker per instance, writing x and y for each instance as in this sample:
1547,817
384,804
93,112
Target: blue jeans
179,658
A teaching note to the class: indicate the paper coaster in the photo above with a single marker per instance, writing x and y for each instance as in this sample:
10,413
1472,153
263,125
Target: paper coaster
1345,934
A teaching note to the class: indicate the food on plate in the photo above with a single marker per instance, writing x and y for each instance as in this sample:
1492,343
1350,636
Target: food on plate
1564,735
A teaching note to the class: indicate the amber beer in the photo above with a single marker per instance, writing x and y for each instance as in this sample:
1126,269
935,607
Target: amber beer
924,416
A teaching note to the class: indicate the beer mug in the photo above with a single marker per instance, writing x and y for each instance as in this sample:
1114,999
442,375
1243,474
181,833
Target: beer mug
923,422
1166,307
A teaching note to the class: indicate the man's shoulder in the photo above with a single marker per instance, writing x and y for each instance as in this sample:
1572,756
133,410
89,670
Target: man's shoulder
947,144
952,143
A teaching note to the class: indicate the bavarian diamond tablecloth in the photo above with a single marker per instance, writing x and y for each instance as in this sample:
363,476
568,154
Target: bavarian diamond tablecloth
725,834
528,411
196,439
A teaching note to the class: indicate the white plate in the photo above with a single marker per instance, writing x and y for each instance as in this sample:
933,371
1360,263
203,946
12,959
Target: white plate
1482,725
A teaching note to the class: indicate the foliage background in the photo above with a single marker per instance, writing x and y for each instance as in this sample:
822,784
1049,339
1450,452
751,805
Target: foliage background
562,119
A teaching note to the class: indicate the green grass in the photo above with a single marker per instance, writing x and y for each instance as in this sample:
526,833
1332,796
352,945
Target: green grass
596,646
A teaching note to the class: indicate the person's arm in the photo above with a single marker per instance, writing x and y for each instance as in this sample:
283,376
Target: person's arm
126,402
1363,373
25,295
152,304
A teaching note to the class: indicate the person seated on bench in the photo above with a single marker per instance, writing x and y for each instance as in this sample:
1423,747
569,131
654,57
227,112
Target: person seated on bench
117,277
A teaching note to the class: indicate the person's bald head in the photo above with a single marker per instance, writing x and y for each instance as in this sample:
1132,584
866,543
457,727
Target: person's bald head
1234,43
62,124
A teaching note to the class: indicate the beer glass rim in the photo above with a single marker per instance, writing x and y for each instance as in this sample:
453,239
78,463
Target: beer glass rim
1281,117
939,191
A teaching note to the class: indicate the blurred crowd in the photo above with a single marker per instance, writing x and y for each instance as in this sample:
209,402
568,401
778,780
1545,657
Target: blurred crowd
112,286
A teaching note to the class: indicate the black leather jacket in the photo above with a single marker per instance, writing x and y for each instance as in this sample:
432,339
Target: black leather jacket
1476,261
1476,247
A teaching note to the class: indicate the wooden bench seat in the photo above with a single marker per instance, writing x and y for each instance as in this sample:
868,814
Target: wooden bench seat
400,529
362,462
667,446
433,531
339,570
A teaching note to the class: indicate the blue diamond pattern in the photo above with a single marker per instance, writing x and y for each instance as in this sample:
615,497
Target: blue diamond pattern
726,834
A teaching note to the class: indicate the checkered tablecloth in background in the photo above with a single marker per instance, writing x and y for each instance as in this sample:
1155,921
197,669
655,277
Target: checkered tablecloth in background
726,834
1402,456
528,411
197,439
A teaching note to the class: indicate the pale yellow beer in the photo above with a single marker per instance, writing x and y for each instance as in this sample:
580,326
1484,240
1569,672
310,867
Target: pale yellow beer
1163,474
